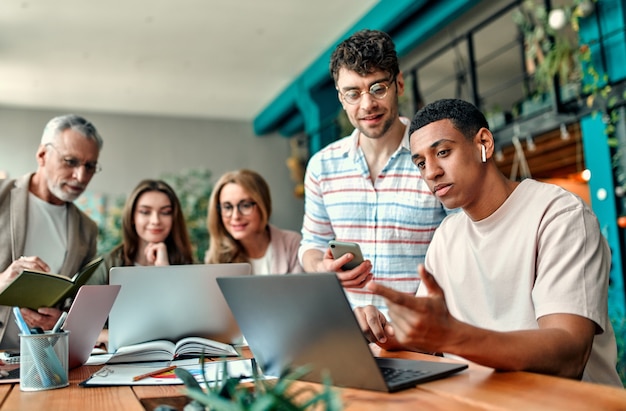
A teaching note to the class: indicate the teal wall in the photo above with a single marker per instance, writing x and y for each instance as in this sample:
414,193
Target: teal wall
604,32
598,161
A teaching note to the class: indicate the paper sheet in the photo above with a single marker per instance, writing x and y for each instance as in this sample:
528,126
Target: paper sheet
123,374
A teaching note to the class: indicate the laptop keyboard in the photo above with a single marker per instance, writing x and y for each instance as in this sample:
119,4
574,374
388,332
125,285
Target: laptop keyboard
398,375
12,374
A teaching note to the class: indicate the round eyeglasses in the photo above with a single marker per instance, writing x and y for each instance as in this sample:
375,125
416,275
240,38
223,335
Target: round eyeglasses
376,90
243,207
70,162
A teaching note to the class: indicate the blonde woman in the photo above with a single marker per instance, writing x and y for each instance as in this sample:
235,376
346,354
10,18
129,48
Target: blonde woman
238,222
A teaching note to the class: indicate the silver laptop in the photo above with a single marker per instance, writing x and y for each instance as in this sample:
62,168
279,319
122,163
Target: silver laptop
297,320
170,303
86,318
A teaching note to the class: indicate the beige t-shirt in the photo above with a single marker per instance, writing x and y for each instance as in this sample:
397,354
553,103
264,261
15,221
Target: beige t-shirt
540,253
46,235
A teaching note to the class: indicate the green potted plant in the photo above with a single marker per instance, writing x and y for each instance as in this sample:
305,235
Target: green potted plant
228,394
551,42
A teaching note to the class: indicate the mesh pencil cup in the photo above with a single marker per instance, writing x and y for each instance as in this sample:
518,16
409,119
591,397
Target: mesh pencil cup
43,361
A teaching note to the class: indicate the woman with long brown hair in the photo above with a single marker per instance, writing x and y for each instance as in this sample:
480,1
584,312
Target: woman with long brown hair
153,231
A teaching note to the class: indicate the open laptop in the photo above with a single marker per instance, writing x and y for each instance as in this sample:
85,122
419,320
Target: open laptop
297,320
171,302
86,318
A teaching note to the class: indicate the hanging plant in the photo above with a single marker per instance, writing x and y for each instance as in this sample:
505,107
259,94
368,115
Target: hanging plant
550,44
552,51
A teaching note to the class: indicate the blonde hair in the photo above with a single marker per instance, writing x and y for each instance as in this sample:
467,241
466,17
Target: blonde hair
223,248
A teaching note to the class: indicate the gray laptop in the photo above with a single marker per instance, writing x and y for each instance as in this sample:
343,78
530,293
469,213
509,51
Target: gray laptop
86,318
84,321
170,303
299,320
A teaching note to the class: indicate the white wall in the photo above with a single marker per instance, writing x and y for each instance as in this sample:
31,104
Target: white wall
137,147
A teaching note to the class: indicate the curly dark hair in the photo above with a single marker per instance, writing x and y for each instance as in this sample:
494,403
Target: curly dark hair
464,116
365,52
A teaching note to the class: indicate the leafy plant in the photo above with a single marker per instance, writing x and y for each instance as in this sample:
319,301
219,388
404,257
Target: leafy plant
193,188
227,394
550,52
110,227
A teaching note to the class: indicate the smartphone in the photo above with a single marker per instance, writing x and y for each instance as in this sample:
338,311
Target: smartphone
339,248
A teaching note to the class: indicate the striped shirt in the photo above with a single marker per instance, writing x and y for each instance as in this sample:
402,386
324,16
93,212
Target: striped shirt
393,219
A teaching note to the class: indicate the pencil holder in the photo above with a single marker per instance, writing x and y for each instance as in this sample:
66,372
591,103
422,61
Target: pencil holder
43,361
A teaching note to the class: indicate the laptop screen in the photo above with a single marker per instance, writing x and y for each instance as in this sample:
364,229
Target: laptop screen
170,303
305,320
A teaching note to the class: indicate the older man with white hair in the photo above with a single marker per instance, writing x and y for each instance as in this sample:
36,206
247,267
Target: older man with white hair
41,227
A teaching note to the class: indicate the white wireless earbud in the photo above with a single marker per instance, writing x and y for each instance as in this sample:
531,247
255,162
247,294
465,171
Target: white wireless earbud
483,154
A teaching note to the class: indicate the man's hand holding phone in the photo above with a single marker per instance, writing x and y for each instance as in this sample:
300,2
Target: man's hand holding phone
347,261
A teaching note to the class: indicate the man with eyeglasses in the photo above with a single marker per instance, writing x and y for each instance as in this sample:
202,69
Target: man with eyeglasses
364,188
41,227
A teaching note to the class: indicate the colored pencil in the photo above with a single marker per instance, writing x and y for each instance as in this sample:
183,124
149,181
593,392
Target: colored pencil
152,373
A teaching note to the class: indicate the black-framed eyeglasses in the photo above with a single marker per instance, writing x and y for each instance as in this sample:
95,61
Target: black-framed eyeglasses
70,162
377,90
243,207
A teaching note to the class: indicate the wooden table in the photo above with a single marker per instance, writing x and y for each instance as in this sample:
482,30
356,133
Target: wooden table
477,388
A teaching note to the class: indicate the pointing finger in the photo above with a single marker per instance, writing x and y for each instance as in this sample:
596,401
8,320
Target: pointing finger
390,294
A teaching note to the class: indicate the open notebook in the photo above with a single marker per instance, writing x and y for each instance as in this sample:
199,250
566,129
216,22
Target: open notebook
299,320
170,303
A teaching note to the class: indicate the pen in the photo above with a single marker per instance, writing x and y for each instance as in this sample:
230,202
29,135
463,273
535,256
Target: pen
21,324
60,322
152,373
